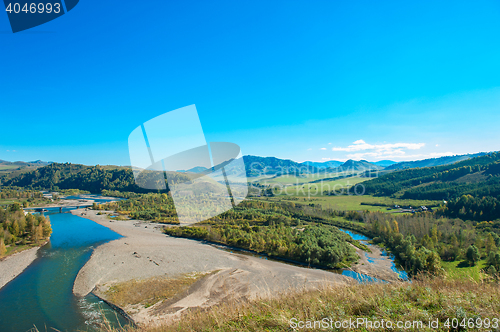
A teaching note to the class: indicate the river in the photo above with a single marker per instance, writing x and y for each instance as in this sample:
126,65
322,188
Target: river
362,277
42,295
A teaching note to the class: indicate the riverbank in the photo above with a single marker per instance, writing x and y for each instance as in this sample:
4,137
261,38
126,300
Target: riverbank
13,265
146,252
375,264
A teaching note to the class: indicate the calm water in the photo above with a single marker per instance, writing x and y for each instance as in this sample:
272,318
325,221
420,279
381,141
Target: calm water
42,295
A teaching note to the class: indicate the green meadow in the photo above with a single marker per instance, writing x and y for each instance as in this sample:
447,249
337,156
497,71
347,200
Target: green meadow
459,270
7,167
353,202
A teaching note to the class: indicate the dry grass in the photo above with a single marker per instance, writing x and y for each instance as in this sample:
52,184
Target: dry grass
147,292
423,300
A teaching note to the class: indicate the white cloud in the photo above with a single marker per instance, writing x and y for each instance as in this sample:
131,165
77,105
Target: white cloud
361,145
399,155
323,149
362,150
309,149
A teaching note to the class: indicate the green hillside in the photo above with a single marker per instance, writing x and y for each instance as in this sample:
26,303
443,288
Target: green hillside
477,177
258,166
433,161
10,169
74,176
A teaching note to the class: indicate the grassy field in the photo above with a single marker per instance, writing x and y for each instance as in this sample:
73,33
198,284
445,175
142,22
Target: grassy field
459,270
11,250
33,203
7,201
7,167
292,179
353,202
420,301
318,188
147,292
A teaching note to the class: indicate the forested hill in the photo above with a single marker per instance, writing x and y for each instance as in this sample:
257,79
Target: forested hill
256,166
477,177
362,165
74,176
433,161
10,169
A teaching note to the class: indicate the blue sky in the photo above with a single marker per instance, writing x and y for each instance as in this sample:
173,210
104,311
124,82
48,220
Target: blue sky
314,80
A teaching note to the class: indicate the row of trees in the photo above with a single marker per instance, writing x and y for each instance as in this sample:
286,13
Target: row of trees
275,229
23,196
468,207
18,193
416,239
312,244
151,207
18,229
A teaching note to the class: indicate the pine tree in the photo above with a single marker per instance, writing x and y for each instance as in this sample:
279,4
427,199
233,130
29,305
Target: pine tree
472,255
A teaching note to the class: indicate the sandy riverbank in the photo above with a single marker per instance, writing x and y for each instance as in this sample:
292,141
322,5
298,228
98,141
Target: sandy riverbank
375,264
14,265
146,252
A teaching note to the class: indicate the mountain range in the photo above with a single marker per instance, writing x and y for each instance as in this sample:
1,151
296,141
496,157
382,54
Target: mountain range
24,163
258,166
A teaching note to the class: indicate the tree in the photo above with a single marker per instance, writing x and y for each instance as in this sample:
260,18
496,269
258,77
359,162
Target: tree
492,271
15,207
3,249
433,262
490,244
395,226
8,238
472,255
15,229
434,235
47,229
494,260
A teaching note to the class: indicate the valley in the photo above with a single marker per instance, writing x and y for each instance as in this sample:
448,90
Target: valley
334,226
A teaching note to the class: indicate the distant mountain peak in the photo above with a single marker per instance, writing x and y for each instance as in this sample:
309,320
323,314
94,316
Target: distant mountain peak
358,165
